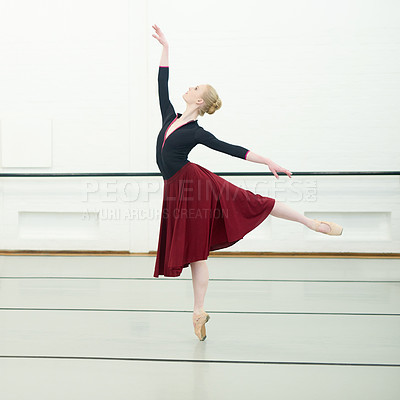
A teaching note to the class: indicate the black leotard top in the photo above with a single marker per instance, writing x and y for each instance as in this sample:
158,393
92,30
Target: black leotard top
172,152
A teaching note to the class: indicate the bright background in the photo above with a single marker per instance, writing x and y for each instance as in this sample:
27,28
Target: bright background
313,85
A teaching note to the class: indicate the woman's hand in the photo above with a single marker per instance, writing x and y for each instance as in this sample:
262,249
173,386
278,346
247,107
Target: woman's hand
159,35
274,168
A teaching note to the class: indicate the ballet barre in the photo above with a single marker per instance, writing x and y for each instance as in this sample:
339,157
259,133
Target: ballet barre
144,174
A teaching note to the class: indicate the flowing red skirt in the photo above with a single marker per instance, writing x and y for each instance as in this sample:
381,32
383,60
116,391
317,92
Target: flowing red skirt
202,212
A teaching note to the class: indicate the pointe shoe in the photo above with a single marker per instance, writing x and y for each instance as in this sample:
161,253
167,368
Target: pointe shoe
200,325
336,230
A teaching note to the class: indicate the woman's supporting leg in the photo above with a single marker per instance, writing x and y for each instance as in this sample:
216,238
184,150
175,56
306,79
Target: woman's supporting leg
200,278
281,210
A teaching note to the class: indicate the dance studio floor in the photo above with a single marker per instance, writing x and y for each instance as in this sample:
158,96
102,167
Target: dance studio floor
76,327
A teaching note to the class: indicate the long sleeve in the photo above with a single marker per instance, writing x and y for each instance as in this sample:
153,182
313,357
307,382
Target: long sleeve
208,139
163,94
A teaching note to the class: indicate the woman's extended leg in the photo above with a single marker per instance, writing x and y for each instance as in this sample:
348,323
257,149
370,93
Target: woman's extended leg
200,278
281,210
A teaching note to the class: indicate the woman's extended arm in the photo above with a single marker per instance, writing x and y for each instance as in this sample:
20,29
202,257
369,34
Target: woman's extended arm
167,109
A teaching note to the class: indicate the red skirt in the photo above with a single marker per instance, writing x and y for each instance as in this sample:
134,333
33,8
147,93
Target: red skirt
202,212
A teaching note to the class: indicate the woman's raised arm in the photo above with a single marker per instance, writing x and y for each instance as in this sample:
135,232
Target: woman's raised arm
167,109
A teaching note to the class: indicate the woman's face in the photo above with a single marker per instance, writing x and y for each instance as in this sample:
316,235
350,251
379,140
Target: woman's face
194,95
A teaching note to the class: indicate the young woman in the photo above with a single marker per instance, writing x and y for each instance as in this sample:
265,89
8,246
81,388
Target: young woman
202,211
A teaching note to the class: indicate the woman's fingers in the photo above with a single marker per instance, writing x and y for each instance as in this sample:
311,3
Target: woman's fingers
155,36
287,172
272,169
275,171
159,35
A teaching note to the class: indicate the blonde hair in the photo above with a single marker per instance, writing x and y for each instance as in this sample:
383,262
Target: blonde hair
212,102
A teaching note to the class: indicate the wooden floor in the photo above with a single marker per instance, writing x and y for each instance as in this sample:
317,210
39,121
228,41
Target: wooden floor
281,328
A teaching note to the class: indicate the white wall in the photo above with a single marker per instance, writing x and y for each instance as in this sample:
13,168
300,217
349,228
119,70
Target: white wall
313,85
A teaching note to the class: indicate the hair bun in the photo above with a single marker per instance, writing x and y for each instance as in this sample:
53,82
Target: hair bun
212,102
215,106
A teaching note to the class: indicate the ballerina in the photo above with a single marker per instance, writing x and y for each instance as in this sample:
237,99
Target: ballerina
201,211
